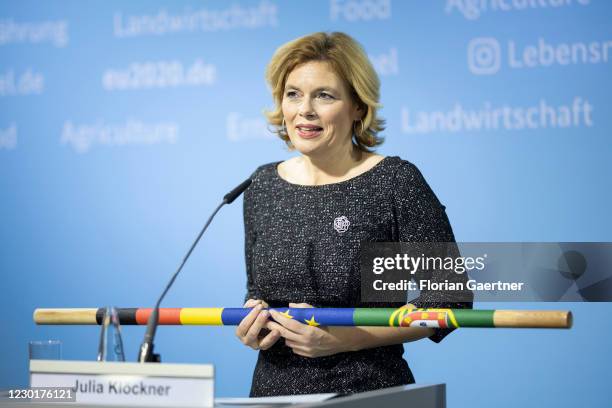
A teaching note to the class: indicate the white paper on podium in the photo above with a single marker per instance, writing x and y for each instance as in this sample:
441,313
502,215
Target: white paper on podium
129,384
280,400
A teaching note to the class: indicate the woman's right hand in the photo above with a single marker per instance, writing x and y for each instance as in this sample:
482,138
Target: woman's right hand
252,330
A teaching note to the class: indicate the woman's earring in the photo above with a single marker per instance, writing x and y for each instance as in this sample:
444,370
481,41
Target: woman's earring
284,128
362,128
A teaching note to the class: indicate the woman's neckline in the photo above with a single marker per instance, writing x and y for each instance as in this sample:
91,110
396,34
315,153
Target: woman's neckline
327,185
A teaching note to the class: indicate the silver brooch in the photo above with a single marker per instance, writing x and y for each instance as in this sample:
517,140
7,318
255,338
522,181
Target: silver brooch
341,224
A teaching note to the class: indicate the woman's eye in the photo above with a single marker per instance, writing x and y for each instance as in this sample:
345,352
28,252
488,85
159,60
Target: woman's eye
291,94
324,95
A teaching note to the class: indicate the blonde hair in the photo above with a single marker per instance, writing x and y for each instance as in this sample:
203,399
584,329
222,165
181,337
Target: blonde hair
349,61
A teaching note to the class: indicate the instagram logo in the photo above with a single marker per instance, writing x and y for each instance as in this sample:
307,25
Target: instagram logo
484,56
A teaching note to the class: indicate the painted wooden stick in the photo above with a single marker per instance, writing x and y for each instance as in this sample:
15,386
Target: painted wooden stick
400,317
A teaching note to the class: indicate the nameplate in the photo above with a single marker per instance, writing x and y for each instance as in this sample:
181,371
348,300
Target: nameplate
128,384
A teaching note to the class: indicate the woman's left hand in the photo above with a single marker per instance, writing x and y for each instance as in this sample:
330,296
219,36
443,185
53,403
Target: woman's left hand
309,341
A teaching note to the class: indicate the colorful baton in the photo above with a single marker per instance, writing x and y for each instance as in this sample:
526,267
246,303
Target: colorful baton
401,317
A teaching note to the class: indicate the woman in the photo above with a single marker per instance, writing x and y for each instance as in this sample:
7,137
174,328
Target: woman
306,217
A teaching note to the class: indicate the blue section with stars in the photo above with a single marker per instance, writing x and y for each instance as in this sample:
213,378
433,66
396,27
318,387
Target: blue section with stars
311,317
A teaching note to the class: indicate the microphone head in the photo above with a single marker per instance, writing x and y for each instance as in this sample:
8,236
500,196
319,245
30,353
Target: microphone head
235,193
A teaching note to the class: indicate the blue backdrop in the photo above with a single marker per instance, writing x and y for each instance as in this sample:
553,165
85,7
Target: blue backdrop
122,124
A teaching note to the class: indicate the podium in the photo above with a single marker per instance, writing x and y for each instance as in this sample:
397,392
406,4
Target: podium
414,395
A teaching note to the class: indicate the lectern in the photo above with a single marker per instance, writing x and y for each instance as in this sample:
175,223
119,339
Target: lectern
415,395
404,396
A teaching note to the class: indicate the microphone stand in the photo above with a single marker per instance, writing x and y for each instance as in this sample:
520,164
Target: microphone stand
146,354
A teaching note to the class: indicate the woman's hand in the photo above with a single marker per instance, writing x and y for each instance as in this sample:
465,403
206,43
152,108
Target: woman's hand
252,330
309,341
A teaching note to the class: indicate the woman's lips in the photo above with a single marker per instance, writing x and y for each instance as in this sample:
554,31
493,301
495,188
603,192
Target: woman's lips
308,133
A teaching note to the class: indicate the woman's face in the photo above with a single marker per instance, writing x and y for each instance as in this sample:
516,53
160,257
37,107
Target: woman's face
318,109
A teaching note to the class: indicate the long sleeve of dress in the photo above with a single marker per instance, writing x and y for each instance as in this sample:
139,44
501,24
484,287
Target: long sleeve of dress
250,236
420,217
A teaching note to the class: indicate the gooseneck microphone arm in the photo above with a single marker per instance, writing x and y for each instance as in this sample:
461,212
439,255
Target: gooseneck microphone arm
146,348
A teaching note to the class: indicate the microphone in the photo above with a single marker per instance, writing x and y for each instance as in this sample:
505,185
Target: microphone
235,193
146,348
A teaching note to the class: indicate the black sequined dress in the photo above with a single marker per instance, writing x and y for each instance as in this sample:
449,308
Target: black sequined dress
294,254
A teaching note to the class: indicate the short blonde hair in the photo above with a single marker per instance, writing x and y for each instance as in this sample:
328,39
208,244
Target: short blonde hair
349,61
